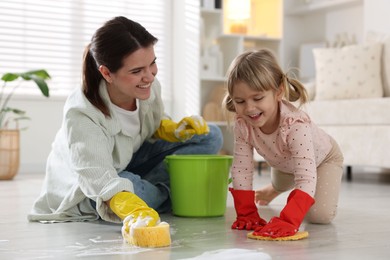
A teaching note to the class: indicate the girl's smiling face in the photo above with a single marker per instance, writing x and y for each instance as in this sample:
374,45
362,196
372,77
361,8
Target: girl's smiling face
258,108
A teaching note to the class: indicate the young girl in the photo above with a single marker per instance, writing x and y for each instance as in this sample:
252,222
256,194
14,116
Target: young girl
303,157
107,159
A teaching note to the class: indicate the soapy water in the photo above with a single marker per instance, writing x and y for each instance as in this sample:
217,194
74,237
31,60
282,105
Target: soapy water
101,247
129,223
231,254
99,240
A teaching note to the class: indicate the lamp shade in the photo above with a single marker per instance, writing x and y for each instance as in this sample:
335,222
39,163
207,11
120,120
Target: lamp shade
238,9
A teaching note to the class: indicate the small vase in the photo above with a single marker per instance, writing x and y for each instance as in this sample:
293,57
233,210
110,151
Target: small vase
9,153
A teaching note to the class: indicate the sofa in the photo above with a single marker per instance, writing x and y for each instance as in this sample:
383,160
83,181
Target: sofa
350,99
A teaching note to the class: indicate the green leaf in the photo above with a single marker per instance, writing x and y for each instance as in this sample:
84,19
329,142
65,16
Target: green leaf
42,86
13,110
42,74
22,118
39,77
18,111
10,77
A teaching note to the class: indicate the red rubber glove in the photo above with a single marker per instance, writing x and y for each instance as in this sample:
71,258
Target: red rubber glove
247,216
291,217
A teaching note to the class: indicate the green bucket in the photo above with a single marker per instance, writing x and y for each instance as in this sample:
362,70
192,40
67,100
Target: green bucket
199,184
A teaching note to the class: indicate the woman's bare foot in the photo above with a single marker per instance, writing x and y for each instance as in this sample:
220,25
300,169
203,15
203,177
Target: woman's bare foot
265,195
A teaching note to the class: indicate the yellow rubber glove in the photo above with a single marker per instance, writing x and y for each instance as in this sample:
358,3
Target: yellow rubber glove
182,131
125,204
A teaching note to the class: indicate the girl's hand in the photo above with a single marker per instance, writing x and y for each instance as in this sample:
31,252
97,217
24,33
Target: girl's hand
291,217
247,216
276,228
249,223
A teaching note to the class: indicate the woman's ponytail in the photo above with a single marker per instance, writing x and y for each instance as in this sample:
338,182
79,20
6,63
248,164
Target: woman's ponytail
91,80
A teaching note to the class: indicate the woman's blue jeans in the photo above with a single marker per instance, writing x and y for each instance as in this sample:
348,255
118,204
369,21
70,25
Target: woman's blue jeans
147,170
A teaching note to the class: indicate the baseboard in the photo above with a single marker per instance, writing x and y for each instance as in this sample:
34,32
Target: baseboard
29,168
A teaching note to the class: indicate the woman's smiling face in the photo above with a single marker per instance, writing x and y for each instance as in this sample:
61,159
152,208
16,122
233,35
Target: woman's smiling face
133,81
258,108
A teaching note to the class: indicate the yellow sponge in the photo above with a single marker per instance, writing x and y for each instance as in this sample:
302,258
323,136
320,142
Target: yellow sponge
157,236
299,235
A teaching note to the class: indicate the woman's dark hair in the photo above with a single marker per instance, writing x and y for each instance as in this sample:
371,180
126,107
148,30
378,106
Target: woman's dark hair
111,43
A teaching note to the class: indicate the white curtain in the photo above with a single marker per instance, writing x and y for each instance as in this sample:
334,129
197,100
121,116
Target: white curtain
186,94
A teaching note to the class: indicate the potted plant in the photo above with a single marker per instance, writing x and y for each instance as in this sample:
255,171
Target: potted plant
9,138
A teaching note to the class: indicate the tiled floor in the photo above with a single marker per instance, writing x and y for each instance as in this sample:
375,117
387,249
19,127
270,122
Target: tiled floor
360,231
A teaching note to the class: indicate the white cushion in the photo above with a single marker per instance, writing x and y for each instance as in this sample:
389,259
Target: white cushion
350,72
310,87
370,112
373,37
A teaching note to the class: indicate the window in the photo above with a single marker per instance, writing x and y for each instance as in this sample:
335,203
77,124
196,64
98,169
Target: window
52,35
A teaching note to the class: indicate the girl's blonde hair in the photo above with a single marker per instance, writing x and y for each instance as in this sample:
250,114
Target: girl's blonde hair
260,70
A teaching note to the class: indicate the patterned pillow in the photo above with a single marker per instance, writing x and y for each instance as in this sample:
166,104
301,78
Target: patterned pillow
374,37
350,72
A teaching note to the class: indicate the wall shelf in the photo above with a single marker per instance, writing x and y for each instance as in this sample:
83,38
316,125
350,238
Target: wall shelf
321,6
215,79
206,11
250,37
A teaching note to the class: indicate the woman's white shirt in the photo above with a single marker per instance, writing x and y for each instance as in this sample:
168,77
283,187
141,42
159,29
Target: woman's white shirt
130,123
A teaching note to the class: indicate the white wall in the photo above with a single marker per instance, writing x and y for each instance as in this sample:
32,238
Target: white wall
318,26
376,16
348,21
45,119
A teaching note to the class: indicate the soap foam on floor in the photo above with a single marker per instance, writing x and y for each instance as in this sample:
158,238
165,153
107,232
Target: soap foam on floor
231,254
